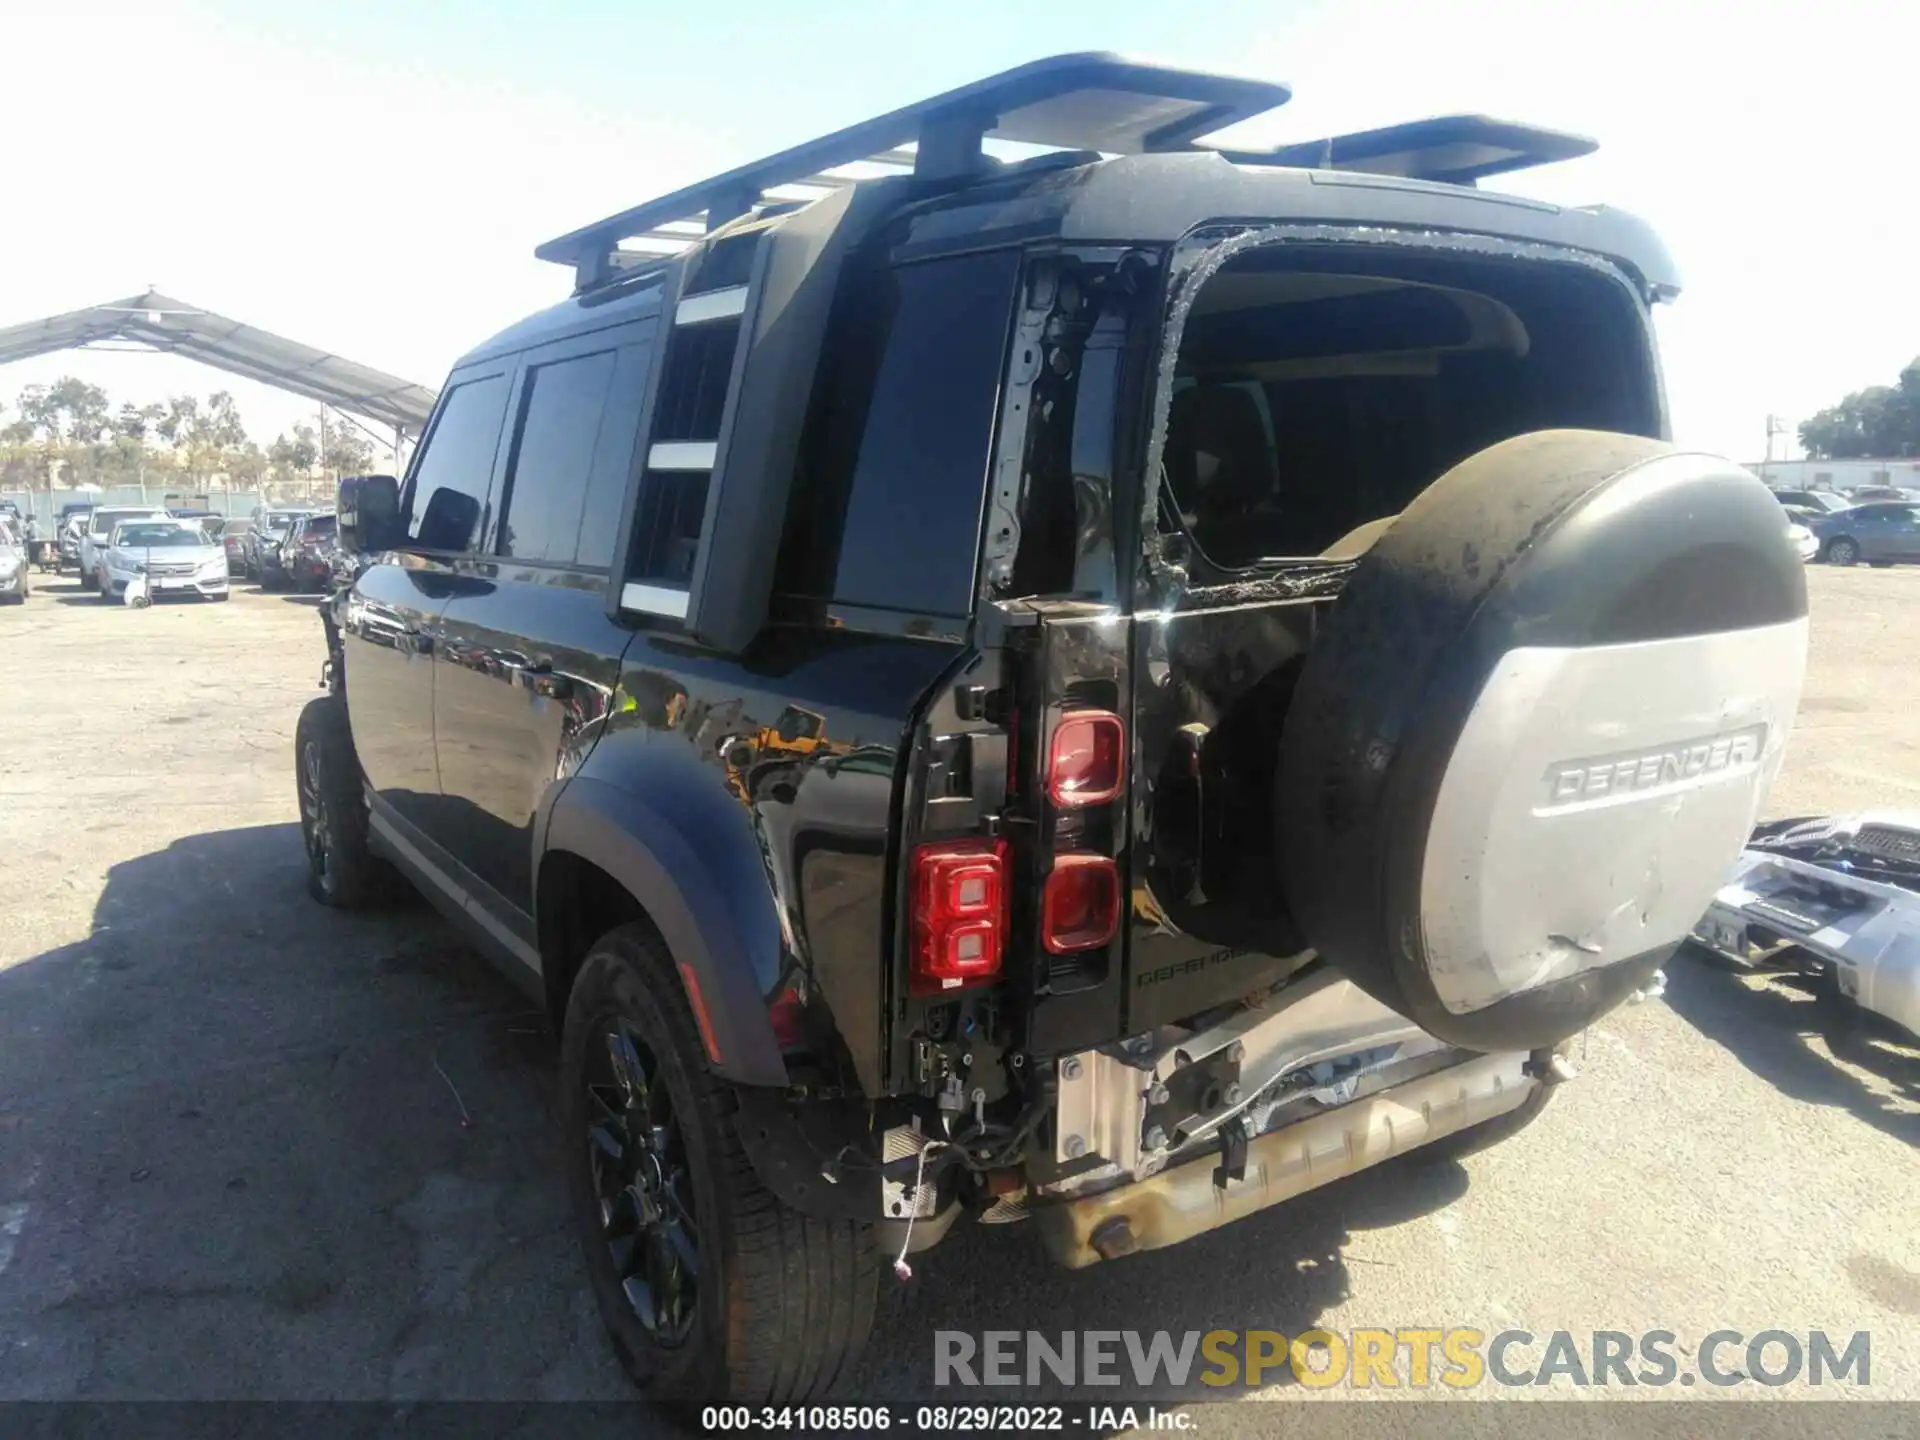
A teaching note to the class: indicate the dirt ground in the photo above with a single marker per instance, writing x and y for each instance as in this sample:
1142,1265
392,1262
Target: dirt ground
254,1149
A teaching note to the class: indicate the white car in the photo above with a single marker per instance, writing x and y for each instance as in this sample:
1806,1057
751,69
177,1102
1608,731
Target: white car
1805,542
174,556
100,527
14,584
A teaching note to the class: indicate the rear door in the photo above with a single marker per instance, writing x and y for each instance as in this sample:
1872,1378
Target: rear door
528,655
1904,533
1874,527
390,624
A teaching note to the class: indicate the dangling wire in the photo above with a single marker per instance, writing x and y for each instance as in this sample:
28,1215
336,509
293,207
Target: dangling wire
900,1266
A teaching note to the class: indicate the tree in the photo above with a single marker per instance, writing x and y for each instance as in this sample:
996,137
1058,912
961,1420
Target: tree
1882,422
293,457
246,464
344,447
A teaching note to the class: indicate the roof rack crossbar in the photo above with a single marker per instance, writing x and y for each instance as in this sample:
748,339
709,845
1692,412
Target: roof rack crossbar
1093,101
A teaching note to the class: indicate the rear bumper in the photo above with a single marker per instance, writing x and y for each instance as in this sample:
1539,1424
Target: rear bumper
1184,1201
1867,934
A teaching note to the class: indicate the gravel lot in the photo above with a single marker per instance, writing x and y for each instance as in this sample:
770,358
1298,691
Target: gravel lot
233,1162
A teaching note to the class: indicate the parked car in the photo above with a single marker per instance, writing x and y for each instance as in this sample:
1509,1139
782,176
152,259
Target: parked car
1816,500
233,539
1867,494
102,521
1881,534
264,542
72,530
15,585
1018,744
174,556
1805,544
306,555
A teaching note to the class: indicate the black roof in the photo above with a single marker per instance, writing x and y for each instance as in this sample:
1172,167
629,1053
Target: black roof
1160,199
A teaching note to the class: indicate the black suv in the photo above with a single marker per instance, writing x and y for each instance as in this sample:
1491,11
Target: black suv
1105,691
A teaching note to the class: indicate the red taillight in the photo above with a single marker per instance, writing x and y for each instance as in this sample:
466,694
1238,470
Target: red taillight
1086,763
959,913
784,1014
1080,908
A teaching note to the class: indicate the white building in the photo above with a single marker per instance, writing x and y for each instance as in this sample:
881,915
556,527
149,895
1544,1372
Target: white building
1841,475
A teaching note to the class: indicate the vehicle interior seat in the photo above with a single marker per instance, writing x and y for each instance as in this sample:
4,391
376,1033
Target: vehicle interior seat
1222,469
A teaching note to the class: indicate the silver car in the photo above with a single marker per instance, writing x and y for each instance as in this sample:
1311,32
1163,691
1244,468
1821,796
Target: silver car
175,557
100,527
14,585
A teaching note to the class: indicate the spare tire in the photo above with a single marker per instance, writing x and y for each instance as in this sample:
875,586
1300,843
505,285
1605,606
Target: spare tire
1535,730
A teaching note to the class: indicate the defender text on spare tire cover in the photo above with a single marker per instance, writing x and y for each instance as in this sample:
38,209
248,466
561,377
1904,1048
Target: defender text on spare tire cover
1537,729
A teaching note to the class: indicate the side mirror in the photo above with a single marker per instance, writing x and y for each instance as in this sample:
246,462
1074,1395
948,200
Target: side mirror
368,507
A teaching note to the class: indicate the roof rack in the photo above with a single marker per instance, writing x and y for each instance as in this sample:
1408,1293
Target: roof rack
1455,149
1091,101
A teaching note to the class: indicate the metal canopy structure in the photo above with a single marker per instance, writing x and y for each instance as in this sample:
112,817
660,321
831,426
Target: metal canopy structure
1094,101
157,322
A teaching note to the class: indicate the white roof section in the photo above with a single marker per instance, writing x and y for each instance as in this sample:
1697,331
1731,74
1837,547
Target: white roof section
157,322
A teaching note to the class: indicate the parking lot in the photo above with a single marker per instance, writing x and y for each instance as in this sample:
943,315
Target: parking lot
252,1148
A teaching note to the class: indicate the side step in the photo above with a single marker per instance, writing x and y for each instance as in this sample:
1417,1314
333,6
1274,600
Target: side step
1183,1202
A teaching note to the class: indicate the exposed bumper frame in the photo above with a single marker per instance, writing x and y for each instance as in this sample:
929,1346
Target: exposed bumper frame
1184,1201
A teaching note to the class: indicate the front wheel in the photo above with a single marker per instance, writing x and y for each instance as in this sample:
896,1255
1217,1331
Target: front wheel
710,1288
1843,552
341,870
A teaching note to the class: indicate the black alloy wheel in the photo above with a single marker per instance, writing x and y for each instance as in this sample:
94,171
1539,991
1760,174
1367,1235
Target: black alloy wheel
637,1155
316,824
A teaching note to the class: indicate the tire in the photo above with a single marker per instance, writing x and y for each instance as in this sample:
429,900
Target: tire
1843,552
1476,798
221,598
783,1302
341,870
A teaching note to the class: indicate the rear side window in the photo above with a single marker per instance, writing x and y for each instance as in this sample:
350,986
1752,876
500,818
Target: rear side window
546,515
888,513
451,477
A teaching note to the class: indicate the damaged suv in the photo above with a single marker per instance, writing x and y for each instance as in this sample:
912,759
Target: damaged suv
1103,690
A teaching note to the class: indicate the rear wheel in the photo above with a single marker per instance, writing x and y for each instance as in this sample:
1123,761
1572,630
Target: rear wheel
710,1288
1842,552
341,870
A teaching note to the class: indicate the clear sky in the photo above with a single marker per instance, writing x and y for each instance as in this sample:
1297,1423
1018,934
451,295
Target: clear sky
371,176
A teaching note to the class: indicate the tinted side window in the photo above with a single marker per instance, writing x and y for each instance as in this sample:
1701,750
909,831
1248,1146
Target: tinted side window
888,513
451,477
553,460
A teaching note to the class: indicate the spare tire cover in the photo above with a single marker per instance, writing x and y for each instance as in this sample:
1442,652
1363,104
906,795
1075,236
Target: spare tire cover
1536,728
